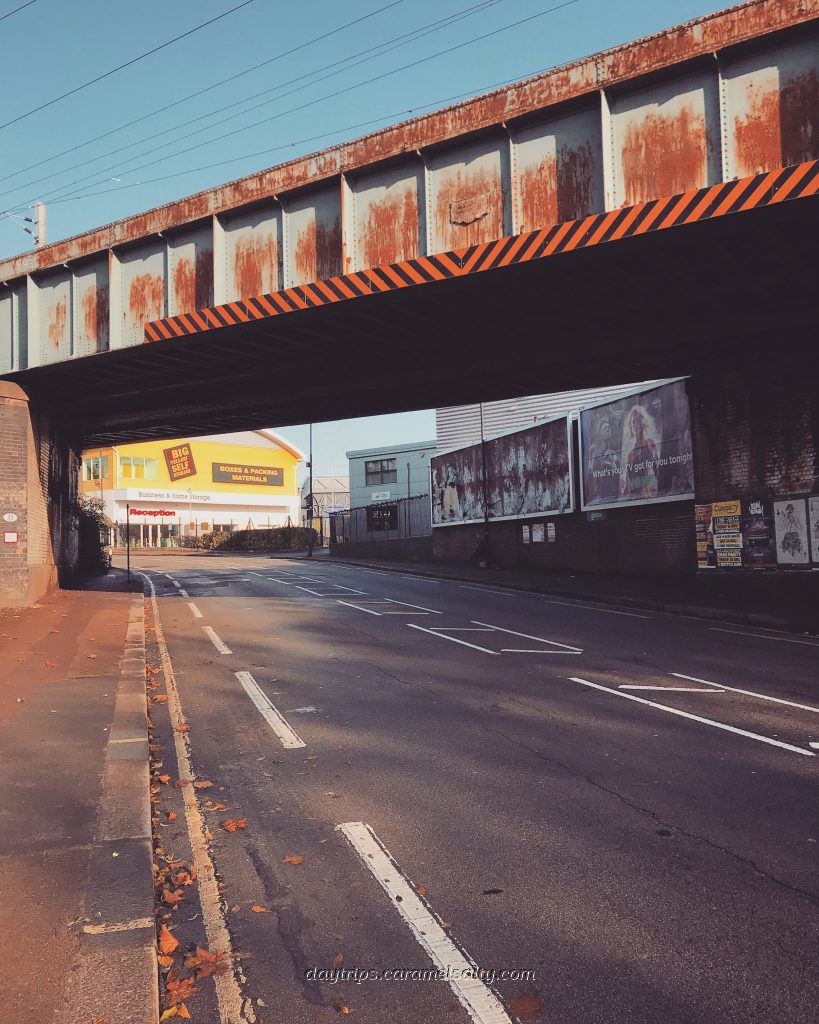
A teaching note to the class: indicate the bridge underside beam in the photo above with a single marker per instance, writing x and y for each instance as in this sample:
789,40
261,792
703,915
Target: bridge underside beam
695,299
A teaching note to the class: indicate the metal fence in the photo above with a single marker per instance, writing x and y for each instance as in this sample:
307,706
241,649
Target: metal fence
403,519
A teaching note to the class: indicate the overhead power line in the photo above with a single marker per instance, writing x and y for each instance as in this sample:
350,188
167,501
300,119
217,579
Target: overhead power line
199,92
392,116
17,10
350,88
368,54
127,64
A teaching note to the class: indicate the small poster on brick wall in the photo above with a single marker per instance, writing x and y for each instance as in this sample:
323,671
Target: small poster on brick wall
706,559
813,521
727,535
791,523
758,543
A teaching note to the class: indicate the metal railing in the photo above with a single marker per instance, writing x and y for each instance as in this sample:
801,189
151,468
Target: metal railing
402,519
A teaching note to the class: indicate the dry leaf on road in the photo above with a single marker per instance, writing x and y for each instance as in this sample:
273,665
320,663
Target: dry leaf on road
172,898
167,943
526,1007
203,784
292,860
234,824
258,910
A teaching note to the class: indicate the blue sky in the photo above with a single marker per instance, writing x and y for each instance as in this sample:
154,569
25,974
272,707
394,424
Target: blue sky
51,47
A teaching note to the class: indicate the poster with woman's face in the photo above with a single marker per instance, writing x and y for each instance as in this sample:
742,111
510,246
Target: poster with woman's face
638,448
791,526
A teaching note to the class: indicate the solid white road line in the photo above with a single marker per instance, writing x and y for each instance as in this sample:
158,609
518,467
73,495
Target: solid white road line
488,590
369,611
527,636
696,718
228,994
420,607
749,693
477,998
352,590
196,613
594,608
533,650
274,719
764,636
183,593
318,593
673,689
452,639
219,644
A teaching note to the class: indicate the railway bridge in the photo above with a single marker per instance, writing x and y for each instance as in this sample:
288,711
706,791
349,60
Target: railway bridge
648,211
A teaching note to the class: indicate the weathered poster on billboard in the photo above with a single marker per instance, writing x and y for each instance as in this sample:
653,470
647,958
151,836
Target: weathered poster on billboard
528,473
791,525
637,449
457,487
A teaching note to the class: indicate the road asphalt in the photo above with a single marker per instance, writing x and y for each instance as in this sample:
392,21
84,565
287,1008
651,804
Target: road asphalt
567,812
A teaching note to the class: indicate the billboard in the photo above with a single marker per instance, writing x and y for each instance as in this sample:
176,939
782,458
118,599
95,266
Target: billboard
637,449
528,473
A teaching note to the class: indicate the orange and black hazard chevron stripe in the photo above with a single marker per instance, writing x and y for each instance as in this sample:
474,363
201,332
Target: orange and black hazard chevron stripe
698,205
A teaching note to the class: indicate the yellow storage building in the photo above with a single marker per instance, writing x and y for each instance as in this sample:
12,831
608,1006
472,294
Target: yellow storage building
191,486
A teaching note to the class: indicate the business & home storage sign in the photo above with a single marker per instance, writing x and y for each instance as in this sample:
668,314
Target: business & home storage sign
239,473
637,449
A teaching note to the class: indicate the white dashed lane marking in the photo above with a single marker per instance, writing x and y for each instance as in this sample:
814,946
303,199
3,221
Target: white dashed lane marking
269,713
217,642
473,994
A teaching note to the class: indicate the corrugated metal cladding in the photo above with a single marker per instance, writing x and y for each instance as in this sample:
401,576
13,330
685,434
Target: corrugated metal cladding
459,425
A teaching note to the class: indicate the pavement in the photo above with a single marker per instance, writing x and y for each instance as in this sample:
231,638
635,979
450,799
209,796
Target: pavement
75,859
416,799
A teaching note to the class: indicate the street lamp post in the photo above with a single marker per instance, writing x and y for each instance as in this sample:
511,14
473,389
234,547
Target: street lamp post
310,496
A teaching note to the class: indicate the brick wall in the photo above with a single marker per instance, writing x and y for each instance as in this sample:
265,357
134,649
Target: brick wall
38,484
756,431
648,539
